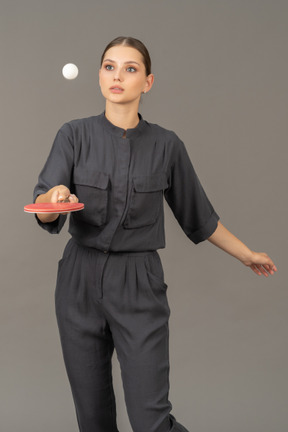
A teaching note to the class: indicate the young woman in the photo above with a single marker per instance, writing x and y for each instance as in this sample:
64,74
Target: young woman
110,289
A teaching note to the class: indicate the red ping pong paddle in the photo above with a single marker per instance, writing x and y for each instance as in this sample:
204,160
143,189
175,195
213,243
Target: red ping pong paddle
60,207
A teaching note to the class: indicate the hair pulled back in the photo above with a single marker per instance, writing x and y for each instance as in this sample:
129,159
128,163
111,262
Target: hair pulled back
133,43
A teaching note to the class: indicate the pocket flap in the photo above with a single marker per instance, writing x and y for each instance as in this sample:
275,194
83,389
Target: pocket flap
94,179
152,183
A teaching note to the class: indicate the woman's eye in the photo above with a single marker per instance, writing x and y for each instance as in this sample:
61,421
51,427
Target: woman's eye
109,67
131,69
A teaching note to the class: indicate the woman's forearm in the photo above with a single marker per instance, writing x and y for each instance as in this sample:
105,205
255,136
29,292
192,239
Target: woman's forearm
226,241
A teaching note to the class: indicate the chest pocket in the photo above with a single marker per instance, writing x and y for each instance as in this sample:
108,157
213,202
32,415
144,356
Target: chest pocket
146,200
92,190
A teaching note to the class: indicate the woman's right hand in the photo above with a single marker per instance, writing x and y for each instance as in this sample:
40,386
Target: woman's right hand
59,193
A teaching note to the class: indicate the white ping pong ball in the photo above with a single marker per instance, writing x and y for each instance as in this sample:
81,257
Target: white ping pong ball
70,71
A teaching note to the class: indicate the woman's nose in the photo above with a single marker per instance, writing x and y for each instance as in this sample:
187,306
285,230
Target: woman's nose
117,75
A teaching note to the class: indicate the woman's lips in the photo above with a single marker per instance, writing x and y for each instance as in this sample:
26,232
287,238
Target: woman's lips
116,89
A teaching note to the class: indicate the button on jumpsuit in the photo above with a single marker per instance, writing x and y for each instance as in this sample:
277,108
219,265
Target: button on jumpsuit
110,290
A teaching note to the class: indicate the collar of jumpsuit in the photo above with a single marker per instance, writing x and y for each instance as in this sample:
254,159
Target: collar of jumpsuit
119,132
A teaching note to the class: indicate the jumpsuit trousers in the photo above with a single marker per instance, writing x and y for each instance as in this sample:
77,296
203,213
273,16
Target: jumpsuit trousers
115,300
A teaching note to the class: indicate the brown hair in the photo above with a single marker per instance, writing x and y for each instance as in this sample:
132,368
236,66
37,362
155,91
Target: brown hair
133,43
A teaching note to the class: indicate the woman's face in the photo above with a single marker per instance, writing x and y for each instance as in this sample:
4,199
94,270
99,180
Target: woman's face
122,76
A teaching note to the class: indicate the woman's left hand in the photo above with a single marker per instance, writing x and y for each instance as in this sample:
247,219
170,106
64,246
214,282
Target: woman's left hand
261,264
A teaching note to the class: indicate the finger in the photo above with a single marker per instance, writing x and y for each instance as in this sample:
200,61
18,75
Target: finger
63,197
269,269
263,270
73,198
255,269
272,266
55,196
64,194
259,270
58,196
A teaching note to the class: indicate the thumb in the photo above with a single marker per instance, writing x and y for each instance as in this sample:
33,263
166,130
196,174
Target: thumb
55,196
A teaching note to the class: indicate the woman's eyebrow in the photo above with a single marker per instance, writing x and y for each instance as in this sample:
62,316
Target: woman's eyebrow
127,62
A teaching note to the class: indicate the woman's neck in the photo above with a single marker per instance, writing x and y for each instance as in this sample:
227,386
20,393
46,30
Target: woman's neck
121,116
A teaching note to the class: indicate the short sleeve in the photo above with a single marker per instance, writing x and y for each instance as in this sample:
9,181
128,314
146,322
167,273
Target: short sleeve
57,170
187,198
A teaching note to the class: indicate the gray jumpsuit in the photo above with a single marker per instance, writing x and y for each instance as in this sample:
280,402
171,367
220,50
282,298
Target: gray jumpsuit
110,289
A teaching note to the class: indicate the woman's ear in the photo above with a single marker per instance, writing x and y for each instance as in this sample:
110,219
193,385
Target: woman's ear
149,83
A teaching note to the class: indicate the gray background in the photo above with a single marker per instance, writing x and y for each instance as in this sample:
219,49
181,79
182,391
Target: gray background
221,84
